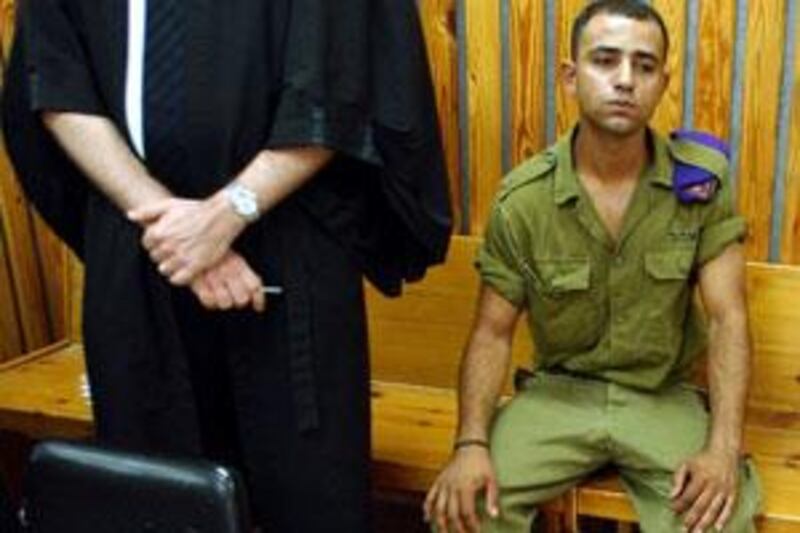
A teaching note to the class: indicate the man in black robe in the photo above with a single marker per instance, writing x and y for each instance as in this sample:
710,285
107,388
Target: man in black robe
199,154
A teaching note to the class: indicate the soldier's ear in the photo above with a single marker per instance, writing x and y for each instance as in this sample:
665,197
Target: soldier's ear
569,75
666,78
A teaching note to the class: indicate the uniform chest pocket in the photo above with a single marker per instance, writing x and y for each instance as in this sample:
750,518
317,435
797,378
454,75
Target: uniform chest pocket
559,277
565,313
667,291
669,265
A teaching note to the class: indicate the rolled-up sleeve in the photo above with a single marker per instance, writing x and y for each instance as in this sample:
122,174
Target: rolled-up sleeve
58,68
497,260
722,226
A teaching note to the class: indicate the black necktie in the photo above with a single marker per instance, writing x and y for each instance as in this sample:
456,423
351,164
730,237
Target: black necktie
164,85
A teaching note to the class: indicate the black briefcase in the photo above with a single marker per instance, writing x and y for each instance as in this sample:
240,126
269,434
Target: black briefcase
77,488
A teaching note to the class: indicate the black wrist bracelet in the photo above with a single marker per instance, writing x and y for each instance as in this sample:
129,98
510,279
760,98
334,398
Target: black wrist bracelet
463,443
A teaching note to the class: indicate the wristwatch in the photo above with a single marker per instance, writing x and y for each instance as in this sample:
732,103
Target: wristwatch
243,201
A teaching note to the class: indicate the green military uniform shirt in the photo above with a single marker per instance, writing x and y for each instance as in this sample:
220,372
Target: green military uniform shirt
620,310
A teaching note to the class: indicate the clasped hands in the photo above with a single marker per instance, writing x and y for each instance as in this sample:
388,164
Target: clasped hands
190,242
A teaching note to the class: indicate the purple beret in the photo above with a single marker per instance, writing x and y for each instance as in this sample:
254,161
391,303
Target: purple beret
691,183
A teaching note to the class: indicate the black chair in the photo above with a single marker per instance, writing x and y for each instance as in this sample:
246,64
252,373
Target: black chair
77,488
8,518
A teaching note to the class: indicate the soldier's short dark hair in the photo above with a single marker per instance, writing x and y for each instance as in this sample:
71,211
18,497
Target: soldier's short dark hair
635,9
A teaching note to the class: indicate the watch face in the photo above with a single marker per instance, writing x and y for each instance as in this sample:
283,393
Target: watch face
243,201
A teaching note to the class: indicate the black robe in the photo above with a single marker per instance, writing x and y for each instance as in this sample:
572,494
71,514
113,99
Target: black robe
348,74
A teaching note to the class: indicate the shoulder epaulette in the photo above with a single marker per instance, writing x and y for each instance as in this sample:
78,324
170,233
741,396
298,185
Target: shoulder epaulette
531,170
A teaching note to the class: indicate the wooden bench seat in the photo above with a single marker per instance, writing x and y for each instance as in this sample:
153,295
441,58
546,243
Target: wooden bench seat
416,343
41,396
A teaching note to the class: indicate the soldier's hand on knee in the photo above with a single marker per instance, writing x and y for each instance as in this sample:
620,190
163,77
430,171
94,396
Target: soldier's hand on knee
704,490
450,502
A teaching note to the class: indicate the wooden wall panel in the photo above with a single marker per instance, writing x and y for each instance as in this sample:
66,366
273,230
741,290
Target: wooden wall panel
484,59
7,12
23,259
52,260
10,333
669,113
11,342
566,108
27,300
765,30
438,18
790,242
484,108
527,79
717,23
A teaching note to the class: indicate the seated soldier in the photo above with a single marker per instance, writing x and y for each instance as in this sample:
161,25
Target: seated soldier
602,240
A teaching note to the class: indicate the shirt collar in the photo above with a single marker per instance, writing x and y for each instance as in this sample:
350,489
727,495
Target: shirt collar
658,172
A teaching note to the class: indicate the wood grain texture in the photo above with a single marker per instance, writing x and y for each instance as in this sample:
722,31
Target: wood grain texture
669,114
761,89
10,333
28,299
438,24
717,22
7,17
413,424
73,302
431,321
790,242
484,107
52,255
527,79
23,260
566,107
773,293
41,394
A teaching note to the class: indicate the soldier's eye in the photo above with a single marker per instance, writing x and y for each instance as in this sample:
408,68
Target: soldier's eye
604,60
647,67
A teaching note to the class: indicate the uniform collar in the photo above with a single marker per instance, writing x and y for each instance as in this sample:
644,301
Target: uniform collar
658,172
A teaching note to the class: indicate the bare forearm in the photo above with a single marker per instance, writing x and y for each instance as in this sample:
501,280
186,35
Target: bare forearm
729,375
483,371
275,174
96,146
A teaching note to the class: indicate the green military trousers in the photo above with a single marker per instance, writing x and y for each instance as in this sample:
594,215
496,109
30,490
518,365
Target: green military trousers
558,429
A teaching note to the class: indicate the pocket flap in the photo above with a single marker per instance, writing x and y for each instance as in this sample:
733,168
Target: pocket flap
563,275
670,264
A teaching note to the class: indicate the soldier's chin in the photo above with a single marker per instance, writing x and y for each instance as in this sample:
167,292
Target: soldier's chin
621,126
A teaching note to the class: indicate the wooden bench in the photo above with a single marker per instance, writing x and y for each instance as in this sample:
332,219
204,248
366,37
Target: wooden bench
416,343
418,339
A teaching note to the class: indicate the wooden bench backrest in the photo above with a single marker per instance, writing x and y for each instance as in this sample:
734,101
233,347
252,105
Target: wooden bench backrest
419,338
73,277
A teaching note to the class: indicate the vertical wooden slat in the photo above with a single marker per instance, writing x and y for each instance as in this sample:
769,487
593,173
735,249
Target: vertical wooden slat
566,107
717,22
790,242
21,251
23,259
439,25
669,113
762,81
11,342
7,13
484,57
528,79
52,255
73,301
10,334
